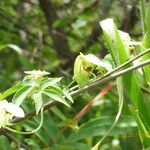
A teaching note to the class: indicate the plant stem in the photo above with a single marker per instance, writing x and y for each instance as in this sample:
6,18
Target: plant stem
88,87
18,143
124,64
117,68
116,75
28,132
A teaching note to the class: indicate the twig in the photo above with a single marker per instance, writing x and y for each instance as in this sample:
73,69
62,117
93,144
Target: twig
12,138
86,88
124,64
118,68
111,77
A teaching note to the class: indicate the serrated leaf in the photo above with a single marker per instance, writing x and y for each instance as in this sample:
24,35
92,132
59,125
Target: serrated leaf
20,95
55,96
37,97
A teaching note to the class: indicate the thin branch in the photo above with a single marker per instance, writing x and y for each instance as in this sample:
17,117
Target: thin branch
32,113
111,77
12,138
124,64
86,88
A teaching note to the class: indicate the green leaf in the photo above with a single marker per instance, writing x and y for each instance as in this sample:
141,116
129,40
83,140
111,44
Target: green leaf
118,44
121,99
85,65
5,144
14,47
146,43
100,126
49,131
49,82
143,130
21,94
99,63
82,70
58,112
2,47
67,94
71,146
55,96
37,97
10,91
30,81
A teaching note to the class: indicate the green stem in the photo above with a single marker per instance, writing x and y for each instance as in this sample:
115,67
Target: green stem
70,84
105,78
29,132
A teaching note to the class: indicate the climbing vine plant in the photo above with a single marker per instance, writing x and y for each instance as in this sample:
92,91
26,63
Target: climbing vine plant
39,91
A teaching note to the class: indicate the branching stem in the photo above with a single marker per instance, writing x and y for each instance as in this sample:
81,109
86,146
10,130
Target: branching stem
108,77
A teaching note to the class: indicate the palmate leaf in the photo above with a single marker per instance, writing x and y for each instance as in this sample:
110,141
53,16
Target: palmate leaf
62,90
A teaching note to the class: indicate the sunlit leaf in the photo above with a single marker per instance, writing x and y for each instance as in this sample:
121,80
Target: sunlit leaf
10,91
37,97
20,95
49,82
82,70
55,96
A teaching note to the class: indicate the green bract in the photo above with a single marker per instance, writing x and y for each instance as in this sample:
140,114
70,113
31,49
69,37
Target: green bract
86,65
